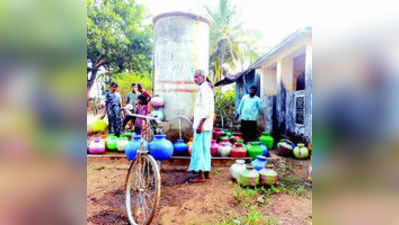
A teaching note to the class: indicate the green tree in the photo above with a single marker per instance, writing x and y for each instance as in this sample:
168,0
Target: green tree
224,108
229,43
125,80
117,39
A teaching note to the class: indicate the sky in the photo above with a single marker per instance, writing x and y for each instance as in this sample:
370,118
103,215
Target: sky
276,19
263,16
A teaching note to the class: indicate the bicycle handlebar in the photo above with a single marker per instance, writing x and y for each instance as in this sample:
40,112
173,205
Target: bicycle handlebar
144,117
156,119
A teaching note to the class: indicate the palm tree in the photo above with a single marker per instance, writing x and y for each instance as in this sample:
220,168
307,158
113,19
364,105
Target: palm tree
228,43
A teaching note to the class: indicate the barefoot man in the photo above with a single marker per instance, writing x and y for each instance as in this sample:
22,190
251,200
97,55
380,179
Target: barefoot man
203,123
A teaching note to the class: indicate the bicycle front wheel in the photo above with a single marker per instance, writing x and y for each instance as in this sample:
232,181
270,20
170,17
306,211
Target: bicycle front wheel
142,190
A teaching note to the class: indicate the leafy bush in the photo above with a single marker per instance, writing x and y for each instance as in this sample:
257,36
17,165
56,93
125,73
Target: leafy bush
224,108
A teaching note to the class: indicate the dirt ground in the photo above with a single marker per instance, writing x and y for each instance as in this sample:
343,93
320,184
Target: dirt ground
182,203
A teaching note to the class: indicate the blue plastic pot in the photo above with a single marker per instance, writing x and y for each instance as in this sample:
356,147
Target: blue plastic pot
139,139
266,151
180,147
161,148
259,163
132,147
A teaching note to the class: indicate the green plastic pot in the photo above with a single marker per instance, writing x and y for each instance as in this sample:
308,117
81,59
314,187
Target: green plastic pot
249,177
246,147
267,140
254,149
129,135
112,142
221,138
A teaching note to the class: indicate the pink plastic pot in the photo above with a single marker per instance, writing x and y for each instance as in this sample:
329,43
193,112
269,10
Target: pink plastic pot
97,146
214,147
226,140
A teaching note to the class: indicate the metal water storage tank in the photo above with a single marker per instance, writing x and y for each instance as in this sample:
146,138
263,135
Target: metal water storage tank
181,46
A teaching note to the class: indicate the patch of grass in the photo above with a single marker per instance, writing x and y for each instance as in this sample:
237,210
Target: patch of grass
287,186
252,217
216,215
294,186
229,220
244,196
100,168
263,200
219,172
223,223
249,196
251,192
289,169
301,191
277,190
291,181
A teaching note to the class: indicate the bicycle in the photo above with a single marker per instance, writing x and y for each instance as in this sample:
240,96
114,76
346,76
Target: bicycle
143,179
143,182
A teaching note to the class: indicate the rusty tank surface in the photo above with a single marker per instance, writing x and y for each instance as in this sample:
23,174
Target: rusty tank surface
181,46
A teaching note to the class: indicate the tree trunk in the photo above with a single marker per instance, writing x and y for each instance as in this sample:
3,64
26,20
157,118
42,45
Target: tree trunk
90,81
221,64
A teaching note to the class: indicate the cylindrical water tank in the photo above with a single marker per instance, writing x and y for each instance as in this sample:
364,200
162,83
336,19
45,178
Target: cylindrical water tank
181,46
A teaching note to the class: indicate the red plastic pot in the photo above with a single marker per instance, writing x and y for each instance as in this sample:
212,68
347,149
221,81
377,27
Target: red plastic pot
234,139
217,133
238,151
226,140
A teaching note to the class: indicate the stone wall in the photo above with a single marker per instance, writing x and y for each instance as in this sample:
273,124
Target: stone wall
280,115
268,102
290,113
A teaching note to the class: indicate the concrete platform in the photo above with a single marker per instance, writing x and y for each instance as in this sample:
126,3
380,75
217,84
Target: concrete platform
285,166
216,161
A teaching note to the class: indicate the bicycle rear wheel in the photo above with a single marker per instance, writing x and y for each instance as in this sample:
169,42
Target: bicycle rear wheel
142,190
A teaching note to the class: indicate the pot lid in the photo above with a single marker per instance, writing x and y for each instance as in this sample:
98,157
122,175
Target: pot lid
286,145
261,157
268,172
240,161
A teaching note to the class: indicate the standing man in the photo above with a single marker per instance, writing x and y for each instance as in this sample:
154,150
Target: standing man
144,92
113,107
203,123
131,100
247,112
